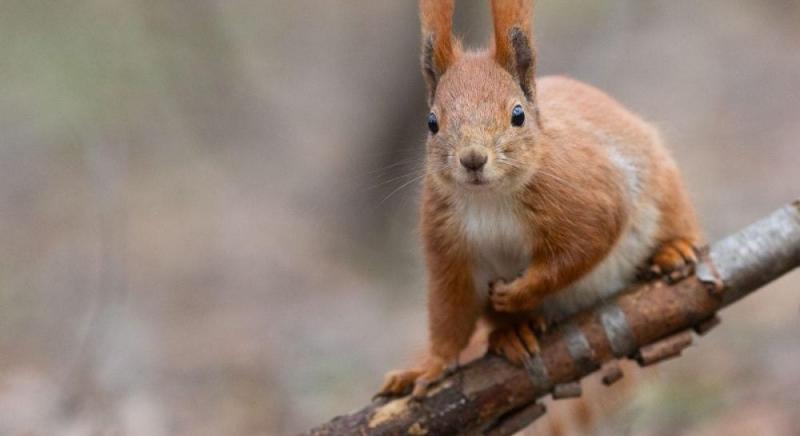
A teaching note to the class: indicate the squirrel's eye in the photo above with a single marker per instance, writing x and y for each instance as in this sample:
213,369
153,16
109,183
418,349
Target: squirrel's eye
517,116
433,123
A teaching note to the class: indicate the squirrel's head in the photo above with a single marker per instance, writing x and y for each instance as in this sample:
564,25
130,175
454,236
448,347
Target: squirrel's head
483,118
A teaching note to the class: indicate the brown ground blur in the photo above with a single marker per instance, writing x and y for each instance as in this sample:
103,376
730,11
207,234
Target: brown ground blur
203,226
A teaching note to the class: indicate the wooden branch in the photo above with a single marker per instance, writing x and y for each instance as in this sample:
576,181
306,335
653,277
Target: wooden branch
650,322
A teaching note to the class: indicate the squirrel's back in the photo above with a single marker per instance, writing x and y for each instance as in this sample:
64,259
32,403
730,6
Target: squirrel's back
590,134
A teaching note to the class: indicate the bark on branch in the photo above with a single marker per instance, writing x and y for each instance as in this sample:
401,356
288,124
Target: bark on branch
649,322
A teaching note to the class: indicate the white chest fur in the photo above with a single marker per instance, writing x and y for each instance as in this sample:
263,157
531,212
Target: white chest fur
500,245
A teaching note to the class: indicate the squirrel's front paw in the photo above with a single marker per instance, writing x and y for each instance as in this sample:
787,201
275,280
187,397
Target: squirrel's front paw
511,297
401,382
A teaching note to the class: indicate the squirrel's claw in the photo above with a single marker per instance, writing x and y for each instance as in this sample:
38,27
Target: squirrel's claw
674,259
510,297
516,343
398,382
416,380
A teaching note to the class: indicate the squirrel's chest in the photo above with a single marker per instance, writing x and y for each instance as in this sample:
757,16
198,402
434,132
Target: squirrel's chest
499,242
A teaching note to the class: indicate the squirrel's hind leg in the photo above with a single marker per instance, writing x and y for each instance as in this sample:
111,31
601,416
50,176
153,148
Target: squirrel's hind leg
515,342
675,258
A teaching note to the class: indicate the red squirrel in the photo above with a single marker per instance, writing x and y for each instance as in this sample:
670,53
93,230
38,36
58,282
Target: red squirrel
540,197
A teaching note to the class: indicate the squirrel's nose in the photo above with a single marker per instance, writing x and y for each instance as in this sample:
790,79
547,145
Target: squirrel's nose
473,159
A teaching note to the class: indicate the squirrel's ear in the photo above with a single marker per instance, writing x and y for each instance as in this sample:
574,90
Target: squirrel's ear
438,47
514,48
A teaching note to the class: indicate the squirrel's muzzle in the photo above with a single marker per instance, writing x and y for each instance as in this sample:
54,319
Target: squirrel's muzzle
473,158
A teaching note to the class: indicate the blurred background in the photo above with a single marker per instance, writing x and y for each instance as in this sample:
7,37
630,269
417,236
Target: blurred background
208,208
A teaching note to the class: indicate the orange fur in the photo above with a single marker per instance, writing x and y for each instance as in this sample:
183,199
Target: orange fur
565,209
508,14
439,49
437,20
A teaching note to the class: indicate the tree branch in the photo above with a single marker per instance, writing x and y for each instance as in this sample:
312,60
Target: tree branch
650,322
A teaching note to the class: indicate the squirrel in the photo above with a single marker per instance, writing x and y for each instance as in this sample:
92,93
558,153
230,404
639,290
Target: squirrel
541,197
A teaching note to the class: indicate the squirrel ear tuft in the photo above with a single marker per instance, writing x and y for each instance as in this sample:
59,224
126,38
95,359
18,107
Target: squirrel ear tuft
438,47
514,49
